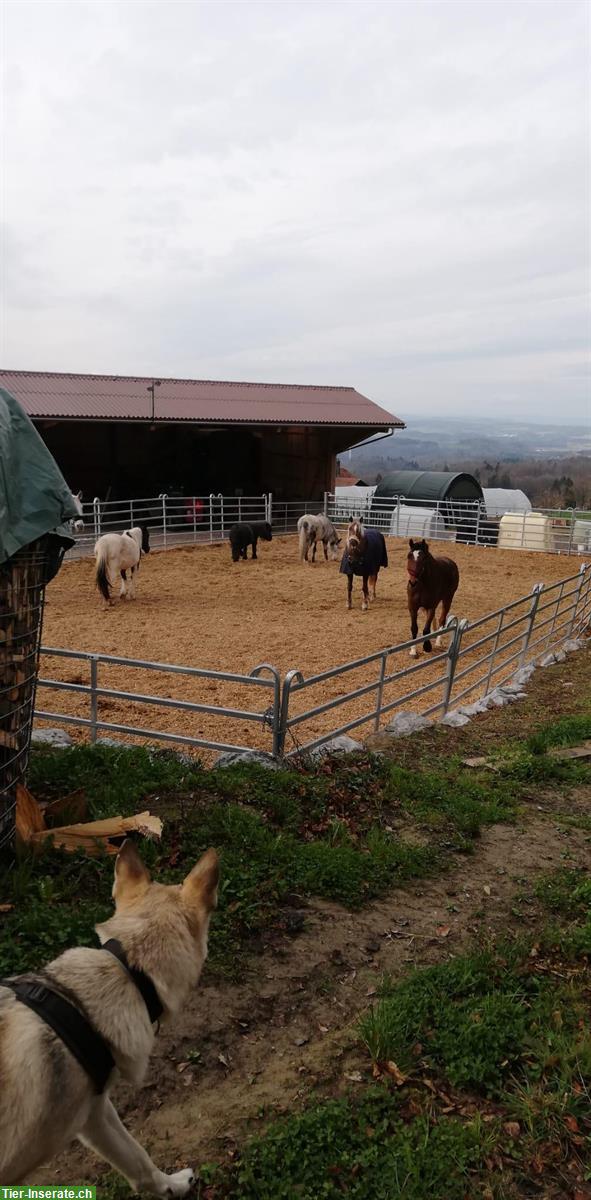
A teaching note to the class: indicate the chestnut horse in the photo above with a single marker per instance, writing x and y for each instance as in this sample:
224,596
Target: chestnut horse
365,552
432,581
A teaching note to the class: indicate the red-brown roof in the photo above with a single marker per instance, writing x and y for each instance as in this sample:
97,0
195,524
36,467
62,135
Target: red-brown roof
126,398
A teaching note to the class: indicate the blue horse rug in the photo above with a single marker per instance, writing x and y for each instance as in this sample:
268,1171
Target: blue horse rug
374,557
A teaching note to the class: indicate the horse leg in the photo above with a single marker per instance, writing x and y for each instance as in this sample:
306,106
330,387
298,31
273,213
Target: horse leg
349,591
314,545
254,548
365,601
123,588
427,647
414,629
373,579
131,592
445,607
325,551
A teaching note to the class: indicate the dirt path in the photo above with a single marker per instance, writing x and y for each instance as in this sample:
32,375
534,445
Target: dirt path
287,1027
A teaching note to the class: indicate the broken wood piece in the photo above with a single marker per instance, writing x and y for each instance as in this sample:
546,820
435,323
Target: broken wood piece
581,752
73,806
97,837
479,762
29,818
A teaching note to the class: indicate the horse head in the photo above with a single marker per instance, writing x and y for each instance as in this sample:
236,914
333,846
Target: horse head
418,555
77,523
355,539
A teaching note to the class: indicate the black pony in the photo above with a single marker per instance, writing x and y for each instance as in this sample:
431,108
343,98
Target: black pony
244,535
431,581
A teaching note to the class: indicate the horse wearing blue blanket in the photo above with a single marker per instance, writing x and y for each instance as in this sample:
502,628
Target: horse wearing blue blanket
365,552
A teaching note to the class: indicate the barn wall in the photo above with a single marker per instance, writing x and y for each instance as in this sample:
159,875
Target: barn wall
298,464
119,459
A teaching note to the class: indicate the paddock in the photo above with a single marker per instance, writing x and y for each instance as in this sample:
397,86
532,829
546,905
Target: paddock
197,608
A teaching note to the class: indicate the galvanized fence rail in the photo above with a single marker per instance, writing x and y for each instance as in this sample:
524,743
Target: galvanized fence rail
478,656
192,520
549,531
171,520
262,679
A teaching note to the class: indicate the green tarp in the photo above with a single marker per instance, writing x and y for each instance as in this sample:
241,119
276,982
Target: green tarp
34,496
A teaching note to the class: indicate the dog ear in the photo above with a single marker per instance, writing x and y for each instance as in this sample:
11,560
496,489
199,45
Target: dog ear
132,878
201,885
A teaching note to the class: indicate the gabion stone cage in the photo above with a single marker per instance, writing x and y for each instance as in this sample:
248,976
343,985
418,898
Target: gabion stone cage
22,588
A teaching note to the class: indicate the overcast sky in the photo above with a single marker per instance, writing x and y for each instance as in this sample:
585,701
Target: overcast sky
392,196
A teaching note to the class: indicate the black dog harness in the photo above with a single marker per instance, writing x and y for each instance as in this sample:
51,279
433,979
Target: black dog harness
75,1031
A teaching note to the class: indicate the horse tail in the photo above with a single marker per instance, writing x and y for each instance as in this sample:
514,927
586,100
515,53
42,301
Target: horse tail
102,578
303,539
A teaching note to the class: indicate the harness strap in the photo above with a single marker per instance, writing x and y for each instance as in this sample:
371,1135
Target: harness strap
87,1046
142,981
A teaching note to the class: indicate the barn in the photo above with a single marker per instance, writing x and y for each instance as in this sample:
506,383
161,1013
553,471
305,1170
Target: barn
122,436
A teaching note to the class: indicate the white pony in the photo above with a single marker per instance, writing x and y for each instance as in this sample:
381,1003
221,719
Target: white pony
313,529
117,553
77,523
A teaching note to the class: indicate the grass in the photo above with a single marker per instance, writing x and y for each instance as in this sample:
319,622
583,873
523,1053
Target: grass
359,1148
495,1044
496,1049
344,831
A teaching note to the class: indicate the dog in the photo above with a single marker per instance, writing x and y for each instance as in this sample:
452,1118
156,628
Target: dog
152,951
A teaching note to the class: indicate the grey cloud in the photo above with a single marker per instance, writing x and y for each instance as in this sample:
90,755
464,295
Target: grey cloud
386,195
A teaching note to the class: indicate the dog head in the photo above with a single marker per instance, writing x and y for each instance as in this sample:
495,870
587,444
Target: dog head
163,928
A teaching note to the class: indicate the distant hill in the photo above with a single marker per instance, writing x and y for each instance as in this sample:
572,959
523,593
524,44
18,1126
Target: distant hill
552,463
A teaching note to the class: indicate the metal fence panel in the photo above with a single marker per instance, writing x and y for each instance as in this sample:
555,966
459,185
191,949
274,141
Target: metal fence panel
475,657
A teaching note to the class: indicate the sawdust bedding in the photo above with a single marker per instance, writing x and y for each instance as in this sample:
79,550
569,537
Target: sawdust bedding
197,608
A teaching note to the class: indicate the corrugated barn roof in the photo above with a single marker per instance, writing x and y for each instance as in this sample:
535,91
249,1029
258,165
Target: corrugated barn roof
126,398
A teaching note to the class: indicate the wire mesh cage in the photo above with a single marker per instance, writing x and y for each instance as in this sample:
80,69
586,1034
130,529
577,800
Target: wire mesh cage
22,592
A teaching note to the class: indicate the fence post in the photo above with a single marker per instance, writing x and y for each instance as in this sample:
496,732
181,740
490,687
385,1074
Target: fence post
572,530
221,500
452,657
194,503
398,516
162,497
93,697
380,690
555,614
96,516
477,530
582,572
211,516
533,608
325,510
270,508
291,677
493,652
